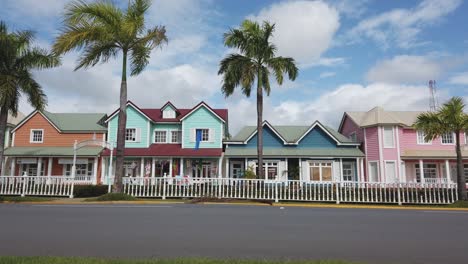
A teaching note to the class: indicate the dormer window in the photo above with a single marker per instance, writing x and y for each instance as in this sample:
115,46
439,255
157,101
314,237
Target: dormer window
169,113
36,136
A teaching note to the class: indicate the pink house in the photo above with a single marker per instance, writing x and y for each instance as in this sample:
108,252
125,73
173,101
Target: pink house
395,151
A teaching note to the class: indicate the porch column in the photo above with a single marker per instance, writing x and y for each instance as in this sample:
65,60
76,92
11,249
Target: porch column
103,168
421,170
182,165
142,167
246,166
4,165
287,171
49,166
13,168
227,169
361,166
39,166
447,171
95,170
300,169
153,167
358,171
170,166
341,170
220,167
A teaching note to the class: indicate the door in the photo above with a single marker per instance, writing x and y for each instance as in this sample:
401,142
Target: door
390,171
237,170
373,171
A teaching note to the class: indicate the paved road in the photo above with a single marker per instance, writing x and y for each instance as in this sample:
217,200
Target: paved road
374,236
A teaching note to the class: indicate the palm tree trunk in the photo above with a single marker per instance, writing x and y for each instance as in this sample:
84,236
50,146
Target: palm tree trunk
119,169
3,124
259,127
460,175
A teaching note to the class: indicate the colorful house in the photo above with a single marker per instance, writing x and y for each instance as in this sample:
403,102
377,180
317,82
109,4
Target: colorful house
395,151
171,141
42,145
309,153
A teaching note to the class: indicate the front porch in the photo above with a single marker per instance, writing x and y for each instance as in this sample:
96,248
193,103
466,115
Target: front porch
434,171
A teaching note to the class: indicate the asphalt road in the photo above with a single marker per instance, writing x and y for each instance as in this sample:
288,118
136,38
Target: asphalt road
221,231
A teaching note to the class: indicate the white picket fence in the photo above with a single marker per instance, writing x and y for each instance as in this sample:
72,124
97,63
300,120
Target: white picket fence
292,190
37,185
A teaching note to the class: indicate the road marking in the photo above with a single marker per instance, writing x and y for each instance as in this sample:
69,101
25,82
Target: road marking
446,212
102,206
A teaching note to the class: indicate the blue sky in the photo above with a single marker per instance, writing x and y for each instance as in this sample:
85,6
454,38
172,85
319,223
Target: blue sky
353,55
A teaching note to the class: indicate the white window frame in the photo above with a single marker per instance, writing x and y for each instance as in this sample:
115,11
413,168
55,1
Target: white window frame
320,166
416,169
207,129
418,139
442,139
89,169
31,136
387,177
393,137
353,170
169,114
159,130
378,170
136,134
179,134
267,165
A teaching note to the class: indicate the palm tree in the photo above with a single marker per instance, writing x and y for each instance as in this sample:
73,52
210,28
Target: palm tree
102,31
17,60
255,62
450,118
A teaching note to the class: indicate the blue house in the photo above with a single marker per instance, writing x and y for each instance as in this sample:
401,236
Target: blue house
308,153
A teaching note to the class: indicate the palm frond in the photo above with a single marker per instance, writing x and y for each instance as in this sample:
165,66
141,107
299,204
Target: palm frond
37,58
237,70
101,12
282,65
139,58
32,90
99,52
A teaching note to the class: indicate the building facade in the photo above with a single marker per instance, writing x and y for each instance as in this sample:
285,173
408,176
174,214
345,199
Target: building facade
171,141
395,151
309,153
42,145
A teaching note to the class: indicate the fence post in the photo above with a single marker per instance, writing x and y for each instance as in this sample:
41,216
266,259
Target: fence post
25,180
276,192
72,187
399,193
337,193
164,187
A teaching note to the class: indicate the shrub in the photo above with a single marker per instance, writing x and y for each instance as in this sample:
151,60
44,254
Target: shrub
1,199
250,173
83,191
113,197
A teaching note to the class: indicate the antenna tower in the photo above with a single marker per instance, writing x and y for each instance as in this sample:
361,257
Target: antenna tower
432,95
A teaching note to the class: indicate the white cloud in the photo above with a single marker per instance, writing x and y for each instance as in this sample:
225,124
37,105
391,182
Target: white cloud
326,75
460,78
351,8
402,26
304,29
405,69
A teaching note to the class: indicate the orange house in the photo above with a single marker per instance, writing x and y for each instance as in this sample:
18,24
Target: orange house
42,145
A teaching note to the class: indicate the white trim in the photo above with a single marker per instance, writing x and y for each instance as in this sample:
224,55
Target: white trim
154,135
393,137
149,136
341,169
385,168
170,136
31,135
272,129
126,105
365,153
369,170
183,135
13,139
421,143
207,107
153,167
30,116
222,136
397,138
136,135
317,123
381,157
49,166
95,169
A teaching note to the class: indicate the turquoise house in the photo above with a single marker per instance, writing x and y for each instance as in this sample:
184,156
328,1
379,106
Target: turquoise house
307,153
171,141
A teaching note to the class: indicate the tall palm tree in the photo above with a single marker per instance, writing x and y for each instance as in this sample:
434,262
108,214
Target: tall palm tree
255,62
18,57
450,118
103,31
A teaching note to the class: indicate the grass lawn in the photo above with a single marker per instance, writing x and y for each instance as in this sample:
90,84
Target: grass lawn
19,199
66,260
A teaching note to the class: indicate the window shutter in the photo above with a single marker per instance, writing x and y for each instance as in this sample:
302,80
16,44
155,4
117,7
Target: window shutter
138,134
192,135
211,135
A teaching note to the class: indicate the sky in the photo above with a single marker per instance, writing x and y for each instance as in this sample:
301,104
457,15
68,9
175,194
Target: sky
352,55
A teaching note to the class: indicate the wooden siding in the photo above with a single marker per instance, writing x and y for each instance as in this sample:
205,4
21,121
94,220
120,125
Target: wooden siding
372,140
317,138
270,140
134,120
349,127
167,127
202,118
409,140
52,137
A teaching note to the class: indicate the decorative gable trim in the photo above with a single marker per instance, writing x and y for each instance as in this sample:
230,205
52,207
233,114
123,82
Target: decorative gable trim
168,103
266,123
345,115
203,104
129,103
26,119
324,129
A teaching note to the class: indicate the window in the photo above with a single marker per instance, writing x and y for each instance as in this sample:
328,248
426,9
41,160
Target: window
205,134
389,141
37,136
169,113
176,136
430,171
131,134
348,171
320,171
421,138
160,136
373,171
465,172
353,137
270,169
390,171
81,169
447,138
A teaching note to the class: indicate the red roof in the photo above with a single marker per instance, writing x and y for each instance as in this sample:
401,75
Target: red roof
169,150
155,114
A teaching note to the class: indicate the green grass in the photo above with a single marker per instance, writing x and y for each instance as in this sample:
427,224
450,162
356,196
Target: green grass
66,260
459,204
112,197
19,199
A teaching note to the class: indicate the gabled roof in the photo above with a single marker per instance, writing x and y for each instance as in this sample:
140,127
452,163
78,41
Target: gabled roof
155,114
379,116
296,152
168,103
129,103
51,151
291,135
70,122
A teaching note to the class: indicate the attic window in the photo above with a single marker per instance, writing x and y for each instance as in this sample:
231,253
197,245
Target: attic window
169,113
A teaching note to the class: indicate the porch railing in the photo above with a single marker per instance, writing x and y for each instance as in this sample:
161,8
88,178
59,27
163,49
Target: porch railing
37,185
292,190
